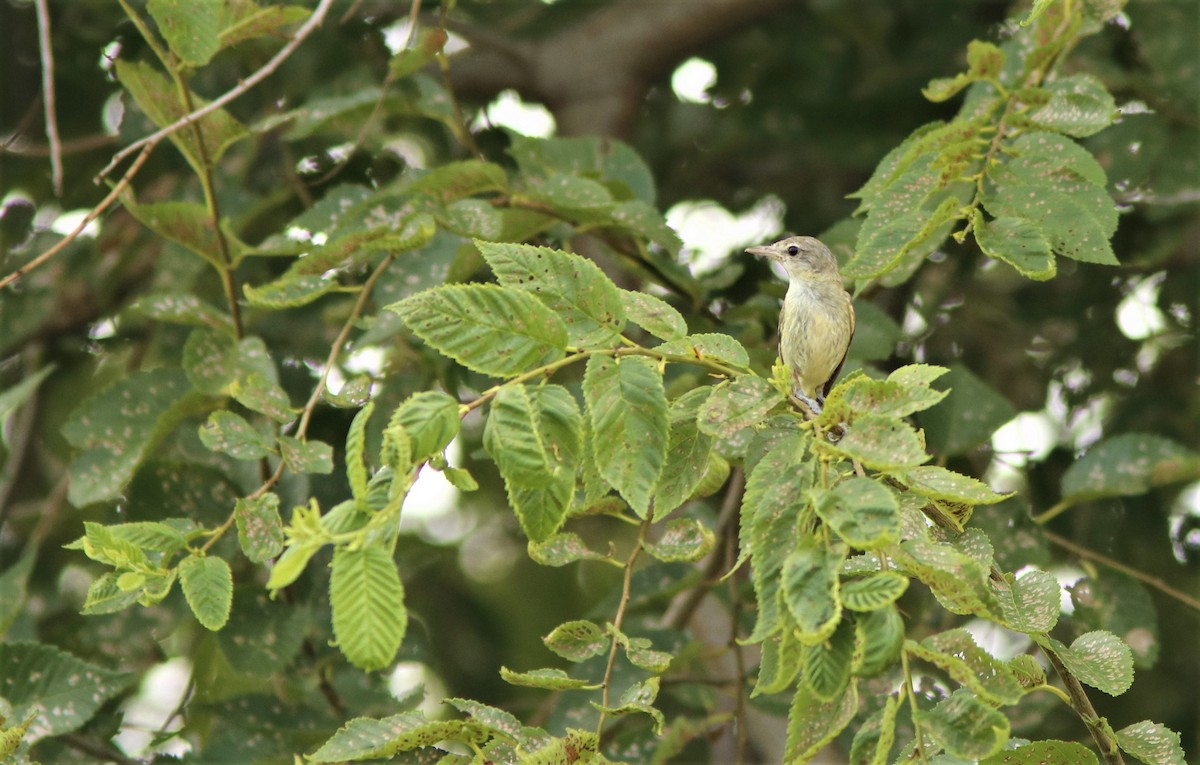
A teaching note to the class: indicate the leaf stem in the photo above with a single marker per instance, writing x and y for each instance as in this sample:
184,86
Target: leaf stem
618,620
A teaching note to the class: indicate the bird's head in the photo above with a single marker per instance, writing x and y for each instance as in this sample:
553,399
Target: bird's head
801,256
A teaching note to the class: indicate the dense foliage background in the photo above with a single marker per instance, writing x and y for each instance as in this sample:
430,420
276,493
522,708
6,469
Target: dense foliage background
115,352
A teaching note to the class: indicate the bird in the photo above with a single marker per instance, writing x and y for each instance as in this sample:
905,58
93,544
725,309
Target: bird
816,322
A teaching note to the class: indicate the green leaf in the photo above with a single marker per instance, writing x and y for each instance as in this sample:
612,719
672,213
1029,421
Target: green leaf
874,738
492,330
263,635
227,432
116,428
781,662
428,44
689,453
956,652
958,581
971,413
561,549
290,290
880,443
813,723
245,21
655,316
263,395
628,411
157,97
713,346
683,539
863,512
1047,155
13,586
827,663
356,466
1075,230
1031,603
888,398
638,699
1079,106
1044,752
488,716
189,27
875,333
104,596
1098,658
874,591
966,726
187,223
1018,242
946,485
879,636
18,394
573,287
738,404
1152,743
431,419
208,586
810,590
1127,465
1122,605
260,530
363,738
546,679
61,690
369,617
577,640
306,456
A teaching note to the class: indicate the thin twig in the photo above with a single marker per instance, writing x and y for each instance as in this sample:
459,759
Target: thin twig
1104,560
95,212
1083,707
47,53
618,620
243,86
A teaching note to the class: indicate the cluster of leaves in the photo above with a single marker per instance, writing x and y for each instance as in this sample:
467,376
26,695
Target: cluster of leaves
611,412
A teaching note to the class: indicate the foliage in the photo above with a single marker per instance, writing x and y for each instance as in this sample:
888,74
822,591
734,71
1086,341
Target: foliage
639,429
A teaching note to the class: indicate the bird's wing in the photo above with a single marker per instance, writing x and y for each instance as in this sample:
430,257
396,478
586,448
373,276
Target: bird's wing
838,369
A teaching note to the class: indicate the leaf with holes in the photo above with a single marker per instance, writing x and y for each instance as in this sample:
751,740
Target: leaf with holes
655,316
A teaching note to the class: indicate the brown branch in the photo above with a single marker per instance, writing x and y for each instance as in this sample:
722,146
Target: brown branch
48,102
94,213
314,21
626,588
1117,565
1083,706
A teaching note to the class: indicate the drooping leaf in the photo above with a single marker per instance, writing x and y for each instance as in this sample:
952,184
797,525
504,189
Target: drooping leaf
431,420
827,663
970,414
879,636
956,652
492,330
189,26
1031,602
208,586
966,726
629,419
810,591
688,454
813,723
1018,242
546,679
946,485
369,616
262,635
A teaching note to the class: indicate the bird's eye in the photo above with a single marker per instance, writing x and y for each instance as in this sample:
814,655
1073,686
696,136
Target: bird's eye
793,250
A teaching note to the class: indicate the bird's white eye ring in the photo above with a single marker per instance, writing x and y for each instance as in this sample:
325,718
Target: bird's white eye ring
793,250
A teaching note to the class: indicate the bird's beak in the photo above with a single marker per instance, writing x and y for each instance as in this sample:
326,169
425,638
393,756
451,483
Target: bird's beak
762,251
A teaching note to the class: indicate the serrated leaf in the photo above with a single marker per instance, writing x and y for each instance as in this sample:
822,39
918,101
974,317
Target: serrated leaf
561,549
879,637
260,529
1017,242
1152,743
431,419
1041,154
369,616
637,699
306,456
874,738
958,581
245,21
62,691
809,581
263,395
969,415
1079,106
1031,603
966,726
1074,230
628,412
874,591
291,290
576,289
827,663
187,223
956,652
1122,605
1129,464
546,679
569,193
1098,658
813,723
116,427
641,653
863,512
946,485
689,454
207,584
738,404
263,635
489,716
229,433
683,539
492,330
577,640
655,316
880,443
887,398
713,346
1044,753
781,661
363,738
157,97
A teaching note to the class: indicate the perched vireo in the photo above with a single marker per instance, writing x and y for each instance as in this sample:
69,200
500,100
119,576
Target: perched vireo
817,320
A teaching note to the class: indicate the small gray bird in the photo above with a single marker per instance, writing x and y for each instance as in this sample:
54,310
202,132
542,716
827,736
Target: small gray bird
816,323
